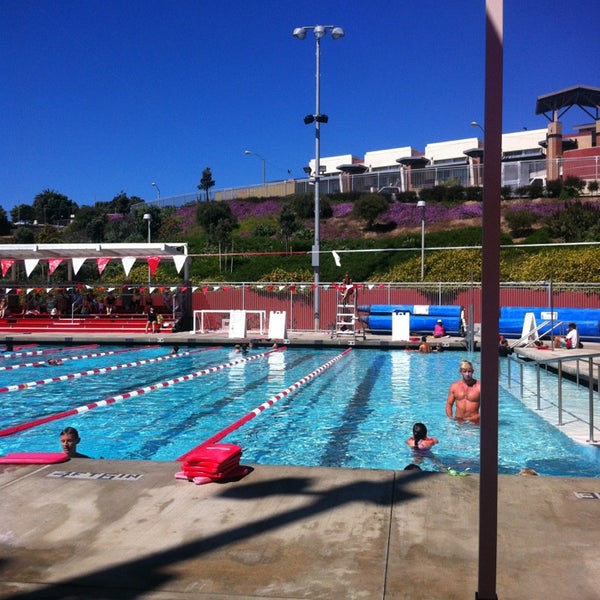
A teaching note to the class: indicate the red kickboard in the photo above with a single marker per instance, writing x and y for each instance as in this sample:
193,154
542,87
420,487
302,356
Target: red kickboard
34,458
235,459
215,453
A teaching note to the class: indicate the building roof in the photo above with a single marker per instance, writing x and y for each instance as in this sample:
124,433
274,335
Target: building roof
582,96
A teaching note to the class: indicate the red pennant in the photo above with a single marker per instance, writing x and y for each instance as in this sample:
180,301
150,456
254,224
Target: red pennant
183,289
269,288
153,262
226,288
102,262
293,289
53,264
6,265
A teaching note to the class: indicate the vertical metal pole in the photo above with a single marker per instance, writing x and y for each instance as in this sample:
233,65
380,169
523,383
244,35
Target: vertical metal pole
316,257
560,382
422,243
490,284
591,397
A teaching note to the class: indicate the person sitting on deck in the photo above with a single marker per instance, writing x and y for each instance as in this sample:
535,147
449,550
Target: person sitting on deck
438,329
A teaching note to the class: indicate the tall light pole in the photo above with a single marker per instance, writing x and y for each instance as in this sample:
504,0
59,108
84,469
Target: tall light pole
264,168
317,118
148,219
157,191
422,204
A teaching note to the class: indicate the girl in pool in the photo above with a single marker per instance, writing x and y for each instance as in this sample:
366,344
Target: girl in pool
419,440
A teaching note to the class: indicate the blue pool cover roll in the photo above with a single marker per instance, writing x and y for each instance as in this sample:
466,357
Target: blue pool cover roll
422,324
431,310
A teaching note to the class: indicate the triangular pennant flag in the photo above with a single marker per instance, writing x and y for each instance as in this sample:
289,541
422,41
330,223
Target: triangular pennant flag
216,287
48,290
336,258
179,260
110,289
127,262
184,288
173,288
370,286
204,290
6,265
269,288
102,262
53,264
326,287
153,262
314,286
77,262
30,265
292,289
194,288
281,287
151,290
29,290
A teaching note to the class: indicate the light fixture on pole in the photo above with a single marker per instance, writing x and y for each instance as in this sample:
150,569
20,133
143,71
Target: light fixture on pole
422,204
264,168
148,219
476,124
157,191
317,118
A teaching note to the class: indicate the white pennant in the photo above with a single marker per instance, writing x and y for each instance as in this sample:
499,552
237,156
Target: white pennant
30,265
77,263
179,260
127,262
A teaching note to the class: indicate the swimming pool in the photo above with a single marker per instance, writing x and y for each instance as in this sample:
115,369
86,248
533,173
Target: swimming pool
356,414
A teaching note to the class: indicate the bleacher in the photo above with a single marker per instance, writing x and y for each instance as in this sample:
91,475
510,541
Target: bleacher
100,323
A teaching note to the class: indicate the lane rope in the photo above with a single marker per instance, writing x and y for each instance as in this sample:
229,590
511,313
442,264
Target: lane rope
267,404
86,407
147,361
79,357
47,351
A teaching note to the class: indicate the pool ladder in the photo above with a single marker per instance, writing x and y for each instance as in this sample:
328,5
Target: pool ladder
346,319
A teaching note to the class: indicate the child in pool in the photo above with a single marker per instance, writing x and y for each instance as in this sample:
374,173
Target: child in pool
419,439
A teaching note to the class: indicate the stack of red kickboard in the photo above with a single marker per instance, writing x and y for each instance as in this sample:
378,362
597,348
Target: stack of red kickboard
217,462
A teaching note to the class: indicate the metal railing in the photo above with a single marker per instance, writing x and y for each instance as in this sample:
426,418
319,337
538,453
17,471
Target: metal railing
557,365
515,173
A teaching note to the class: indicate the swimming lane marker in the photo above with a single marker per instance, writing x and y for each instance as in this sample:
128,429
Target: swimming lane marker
82,409
48,351
30,384
79,357
259,409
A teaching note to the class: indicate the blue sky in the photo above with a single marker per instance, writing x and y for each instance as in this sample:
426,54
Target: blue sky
104,96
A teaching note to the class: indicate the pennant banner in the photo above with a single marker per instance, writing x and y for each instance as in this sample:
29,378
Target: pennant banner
128,262
6,265
153,262
102,262
53,264
179,260
30,265
77,263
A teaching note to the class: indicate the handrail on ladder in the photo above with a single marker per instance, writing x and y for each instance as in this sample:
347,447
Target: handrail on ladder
536,330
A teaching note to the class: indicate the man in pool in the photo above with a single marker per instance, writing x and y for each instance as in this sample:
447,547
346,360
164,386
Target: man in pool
69,438
465,396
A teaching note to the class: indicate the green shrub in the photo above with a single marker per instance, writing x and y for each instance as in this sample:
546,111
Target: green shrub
520,221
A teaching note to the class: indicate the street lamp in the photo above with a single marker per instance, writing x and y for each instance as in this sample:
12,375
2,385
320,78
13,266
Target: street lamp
157,192
319,32
148,219
421,204
476,124
264,168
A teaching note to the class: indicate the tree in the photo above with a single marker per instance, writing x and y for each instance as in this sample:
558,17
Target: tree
206,182
52,207
4,224
288,224
23,213
217,220
369,207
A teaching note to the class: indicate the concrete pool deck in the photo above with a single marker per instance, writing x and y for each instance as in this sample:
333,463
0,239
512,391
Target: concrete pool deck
124,530
106,529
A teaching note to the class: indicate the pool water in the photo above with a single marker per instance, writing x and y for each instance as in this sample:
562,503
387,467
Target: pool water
355,414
